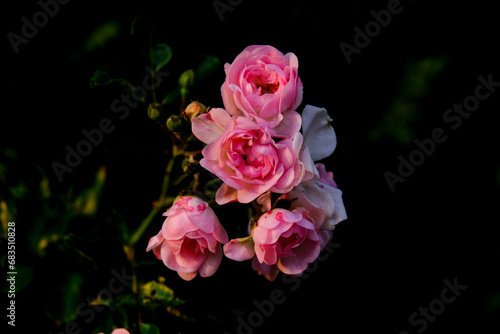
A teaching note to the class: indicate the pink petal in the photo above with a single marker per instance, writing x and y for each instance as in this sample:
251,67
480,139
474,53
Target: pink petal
208,127
120,331
189,258
211,264
176,226
240,249
325,237
226,194
306,253
289,125
187,276
264,201
155,241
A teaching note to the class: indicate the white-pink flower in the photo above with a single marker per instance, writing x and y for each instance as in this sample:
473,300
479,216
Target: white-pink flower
321,195
190,239
263,84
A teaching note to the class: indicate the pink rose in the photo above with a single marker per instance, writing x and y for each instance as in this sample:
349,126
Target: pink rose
271,271
189,241
282,240
119,331
263,84
247,158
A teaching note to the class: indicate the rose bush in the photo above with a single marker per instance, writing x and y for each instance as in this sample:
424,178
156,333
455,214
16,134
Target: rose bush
258,146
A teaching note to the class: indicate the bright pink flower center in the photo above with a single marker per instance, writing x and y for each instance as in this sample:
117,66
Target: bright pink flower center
191,247
263,81
246,154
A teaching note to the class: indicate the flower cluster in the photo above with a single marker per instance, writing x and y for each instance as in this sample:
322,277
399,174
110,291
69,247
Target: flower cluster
262,149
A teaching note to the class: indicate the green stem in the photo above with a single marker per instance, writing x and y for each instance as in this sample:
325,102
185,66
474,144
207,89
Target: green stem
143,226
163,201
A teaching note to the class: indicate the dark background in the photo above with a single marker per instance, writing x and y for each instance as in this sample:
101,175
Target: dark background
396,248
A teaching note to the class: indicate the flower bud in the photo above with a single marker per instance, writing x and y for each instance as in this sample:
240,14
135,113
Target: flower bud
174,123
154,111
194,109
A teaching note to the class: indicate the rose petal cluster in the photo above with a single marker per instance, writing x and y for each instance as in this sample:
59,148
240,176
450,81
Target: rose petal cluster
258,145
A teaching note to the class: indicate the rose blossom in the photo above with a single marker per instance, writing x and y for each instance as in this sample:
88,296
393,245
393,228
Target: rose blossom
246,157
282,240
263,84
119,331
189,241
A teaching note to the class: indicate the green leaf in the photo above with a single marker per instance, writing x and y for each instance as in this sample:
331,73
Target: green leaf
107,75
102,35
160,56
149,329
118,301
207,67
81,257
100,77
87,203
23,277
156,292
186,79
65,304
172,96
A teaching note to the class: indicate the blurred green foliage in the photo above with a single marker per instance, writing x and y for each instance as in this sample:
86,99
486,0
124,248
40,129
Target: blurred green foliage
70,228
398,120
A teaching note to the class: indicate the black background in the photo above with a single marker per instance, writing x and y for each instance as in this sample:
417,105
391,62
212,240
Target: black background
396,248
